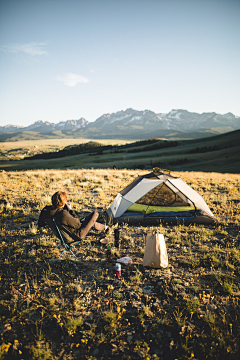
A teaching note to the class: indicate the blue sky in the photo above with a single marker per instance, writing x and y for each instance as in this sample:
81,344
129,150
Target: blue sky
66,59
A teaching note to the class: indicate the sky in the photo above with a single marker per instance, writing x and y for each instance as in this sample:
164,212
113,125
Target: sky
66,59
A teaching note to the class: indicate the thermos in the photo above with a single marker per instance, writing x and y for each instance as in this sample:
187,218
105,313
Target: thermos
117,237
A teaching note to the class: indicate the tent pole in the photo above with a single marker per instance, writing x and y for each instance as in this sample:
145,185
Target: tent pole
185,196
155,195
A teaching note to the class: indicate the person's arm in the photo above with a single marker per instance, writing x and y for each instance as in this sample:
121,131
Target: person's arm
71,212
69,218
67,207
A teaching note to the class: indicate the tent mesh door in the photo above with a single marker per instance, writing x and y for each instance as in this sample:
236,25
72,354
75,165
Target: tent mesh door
161,195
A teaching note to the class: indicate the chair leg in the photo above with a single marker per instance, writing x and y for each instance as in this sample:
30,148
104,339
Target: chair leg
73,246
62,253
72,252
67,247
57,246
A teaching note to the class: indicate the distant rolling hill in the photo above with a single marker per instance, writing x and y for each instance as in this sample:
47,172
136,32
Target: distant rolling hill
129,124
213,154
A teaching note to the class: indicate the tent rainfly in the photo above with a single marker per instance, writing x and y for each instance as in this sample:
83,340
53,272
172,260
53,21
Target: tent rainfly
156,197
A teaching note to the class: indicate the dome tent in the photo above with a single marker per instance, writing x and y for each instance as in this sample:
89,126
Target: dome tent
157,197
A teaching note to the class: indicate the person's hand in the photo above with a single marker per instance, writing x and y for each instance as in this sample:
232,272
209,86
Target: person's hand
68,206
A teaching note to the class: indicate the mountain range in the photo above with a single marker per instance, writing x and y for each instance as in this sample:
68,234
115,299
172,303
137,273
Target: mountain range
131,124
45,126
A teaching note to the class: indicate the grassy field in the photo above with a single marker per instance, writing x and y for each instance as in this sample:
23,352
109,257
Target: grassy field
219,153
17,148
75,308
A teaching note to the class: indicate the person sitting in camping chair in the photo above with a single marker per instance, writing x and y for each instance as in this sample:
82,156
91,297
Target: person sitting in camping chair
66,217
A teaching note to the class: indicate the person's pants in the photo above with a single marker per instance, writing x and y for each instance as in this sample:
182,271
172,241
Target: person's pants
89,222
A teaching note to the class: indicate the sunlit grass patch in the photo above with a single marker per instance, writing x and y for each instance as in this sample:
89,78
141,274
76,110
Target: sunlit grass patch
80,305
72,324
41,351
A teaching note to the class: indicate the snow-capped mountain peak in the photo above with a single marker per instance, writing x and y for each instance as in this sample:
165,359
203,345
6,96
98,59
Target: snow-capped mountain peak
123,121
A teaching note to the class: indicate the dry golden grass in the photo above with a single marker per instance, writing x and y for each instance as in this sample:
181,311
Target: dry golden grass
74,308
51,144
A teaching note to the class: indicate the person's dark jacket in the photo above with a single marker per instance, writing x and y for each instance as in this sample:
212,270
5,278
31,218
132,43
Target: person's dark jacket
63,216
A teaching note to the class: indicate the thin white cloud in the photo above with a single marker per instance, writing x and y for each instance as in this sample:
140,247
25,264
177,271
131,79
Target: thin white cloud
31,48
72,80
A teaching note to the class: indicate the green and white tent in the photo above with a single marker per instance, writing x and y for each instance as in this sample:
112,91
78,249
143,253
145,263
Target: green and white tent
157,197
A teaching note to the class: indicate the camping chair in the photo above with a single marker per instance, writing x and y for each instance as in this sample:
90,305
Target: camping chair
64,235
